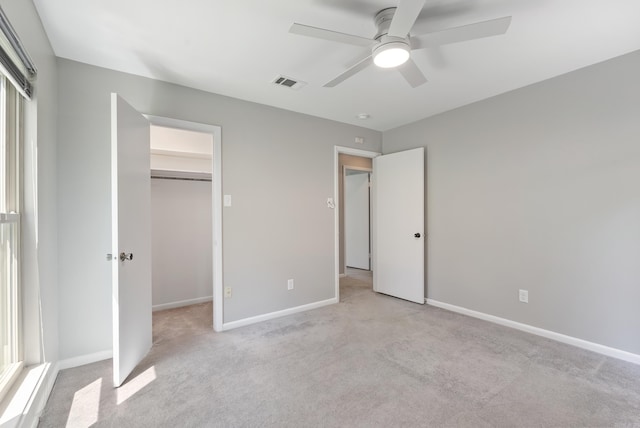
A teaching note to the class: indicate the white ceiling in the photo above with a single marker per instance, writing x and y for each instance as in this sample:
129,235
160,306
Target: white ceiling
237,47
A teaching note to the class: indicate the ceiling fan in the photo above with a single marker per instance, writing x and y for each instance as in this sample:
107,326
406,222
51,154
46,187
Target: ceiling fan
392,45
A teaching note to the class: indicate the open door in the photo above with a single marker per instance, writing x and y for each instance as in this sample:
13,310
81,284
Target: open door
131,238
398,223
356,219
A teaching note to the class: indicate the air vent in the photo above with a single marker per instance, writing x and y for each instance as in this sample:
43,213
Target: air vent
285,82
288,82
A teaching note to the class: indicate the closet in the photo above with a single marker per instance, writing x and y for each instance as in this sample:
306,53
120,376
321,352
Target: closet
181,216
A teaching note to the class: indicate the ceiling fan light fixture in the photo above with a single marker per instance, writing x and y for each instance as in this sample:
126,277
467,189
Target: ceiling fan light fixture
390,55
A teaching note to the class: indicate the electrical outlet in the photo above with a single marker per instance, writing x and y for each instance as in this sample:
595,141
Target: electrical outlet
227,292
290,284
523,295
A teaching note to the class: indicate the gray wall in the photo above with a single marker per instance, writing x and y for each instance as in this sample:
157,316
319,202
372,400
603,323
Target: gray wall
181,244
538,189
277,165
39,227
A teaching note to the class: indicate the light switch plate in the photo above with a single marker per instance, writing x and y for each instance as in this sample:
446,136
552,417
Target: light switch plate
227,200
523,296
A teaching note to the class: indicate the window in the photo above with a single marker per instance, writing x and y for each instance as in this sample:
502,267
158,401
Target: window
17,73
10,337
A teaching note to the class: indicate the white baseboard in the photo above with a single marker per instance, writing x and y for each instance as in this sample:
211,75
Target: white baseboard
84,359
181,303
580,343
342,275
30,397
278,314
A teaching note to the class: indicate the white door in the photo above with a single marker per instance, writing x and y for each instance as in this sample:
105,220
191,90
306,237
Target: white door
398,224
356,219
131,237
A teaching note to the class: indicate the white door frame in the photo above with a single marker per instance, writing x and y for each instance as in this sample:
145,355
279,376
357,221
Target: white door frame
336,198
216,189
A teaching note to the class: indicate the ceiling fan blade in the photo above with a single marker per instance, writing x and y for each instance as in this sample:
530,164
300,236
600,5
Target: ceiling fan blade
478,30
404,17
334,36
359,66
412,73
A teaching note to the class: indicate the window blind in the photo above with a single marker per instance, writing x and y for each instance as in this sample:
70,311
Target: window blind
15,62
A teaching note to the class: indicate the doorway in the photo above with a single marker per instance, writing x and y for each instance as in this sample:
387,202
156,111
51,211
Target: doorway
352,170
195,174
397,222
181,232
348,164
357,215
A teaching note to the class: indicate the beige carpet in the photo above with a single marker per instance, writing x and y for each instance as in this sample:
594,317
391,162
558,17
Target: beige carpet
186,321
369,361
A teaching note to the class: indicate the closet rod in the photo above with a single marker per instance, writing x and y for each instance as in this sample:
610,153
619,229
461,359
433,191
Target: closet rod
157,177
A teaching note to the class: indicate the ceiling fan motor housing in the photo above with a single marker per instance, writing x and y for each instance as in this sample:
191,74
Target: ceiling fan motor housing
383,21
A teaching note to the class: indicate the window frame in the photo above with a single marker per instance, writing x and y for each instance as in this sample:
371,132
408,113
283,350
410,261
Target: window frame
11,115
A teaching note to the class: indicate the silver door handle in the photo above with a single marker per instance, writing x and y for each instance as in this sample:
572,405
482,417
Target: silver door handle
126,256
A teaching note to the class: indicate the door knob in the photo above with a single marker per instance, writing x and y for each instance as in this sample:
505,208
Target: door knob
126,256
417,235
